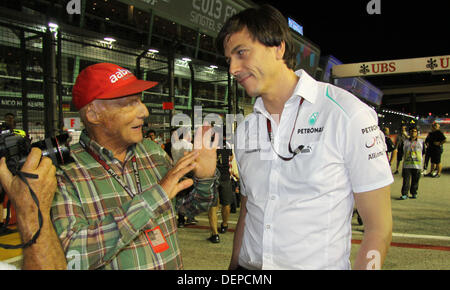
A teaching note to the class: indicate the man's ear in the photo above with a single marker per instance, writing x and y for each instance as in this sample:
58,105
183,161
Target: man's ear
93,116
280,50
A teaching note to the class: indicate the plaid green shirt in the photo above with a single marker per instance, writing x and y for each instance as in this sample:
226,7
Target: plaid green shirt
102,227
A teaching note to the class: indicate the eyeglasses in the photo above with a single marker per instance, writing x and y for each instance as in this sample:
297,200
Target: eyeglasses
293,152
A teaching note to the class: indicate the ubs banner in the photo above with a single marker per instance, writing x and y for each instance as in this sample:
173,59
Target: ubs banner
424,64
208,15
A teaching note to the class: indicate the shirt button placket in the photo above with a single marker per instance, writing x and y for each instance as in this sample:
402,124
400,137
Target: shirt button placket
268,237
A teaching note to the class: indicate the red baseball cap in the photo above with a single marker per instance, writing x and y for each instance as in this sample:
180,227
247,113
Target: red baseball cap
106,81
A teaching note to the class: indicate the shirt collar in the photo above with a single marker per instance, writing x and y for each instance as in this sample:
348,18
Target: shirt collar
101,151
306,88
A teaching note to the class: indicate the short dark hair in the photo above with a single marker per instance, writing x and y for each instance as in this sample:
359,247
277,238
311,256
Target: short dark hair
265,24
150,131
412,127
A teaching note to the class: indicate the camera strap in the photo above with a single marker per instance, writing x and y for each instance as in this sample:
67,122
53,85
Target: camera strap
23,176
51,153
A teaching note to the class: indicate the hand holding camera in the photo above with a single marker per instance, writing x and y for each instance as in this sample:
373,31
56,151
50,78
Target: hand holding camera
28,177
44,185
16,148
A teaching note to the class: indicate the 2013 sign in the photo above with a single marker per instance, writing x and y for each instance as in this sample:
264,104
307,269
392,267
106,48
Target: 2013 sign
208,13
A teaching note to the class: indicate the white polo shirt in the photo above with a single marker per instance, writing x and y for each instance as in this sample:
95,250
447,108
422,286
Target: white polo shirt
178,149
299,211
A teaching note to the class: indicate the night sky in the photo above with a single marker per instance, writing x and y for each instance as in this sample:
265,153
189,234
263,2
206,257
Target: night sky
404,29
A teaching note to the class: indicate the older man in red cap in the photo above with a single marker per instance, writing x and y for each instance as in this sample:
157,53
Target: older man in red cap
113,207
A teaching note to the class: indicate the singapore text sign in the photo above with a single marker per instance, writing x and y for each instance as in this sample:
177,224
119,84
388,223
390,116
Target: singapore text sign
208,15
424,64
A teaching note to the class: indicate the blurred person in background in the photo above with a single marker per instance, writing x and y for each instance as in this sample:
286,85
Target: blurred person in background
151,134
389,144
427,153
181,144
436,146
399,145
413,148
224,157
10,121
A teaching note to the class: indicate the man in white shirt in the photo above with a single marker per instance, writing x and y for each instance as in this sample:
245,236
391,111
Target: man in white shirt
180,143
305,155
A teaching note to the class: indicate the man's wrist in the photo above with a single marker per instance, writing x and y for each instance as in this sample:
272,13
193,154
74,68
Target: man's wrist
28,223
214,175
27,226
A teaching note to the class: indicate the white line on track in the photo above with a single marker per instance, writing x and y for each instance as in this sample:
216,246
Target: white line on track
413,236
399,235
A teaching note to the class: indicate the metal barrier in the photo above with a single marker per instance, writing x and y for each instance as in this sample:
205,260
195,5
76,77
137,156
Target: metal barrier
23,68
39,66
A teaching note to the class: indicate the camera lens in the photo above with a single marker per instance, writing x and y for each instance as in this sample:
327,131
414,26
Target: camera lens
56,148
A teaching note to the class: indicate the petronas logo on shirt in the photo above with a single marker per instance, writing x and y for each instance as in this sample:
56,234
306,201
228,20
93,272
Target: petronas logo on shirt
313,118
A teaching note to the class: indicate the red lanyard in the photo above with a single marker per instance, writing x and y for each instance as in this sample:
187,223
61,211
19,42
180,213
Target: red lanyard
114,174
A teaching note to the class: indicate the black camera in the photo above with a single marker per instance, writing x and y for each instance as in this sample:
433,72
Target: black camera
16,148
